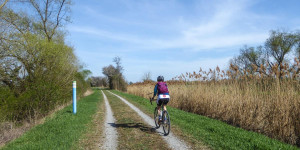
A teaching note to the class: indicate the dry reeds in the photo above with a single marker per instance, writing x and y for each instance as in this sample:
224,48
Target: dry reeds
259,101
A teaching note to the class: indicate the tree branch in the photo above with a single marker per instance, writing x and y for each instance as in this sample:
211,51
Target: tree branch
3,4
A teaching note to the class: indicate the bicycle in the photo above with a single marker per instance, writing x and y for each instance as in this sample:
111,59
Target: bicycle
165,122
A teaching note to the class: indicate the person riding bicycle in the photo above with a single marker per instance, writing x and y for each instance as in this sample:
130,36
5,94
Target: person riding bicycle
163,96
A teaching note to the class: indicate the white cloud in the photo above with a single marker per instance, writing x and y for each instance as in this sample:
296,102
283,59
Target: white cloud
224,15
217,32
145,43
155,26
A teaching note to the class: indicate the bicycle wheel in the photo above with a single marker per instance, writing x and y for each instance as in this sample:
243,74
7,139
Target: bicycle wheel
166,122
156,118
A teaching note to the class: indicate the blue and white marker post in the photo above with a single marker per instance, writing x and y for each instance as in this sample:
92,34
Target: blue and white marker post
74,97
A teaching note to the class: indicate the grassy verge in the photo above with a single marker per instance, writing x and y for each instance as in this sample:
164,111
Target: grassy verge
91,139
61,131
133,133
216,134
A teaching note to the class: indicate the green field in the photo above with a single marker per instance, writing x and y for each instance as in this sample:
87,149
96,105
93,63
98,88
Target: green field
61,131
64,129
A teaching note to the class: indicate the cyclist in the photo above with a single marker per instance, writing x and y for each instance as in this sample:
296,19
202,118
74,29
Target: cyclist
162,91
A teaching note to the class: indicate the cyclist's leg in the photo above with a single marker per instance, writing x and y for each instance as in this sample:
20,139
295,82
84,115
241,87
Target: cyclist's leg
166,101
158,110
159,103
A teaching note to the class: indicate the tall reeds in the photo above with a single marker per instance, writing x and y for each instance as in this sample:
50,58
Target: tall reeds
265,101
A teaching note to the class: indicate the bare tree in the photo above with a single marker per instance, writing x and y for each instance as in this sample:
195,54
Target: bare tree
50,16
52,13
119,68
146,77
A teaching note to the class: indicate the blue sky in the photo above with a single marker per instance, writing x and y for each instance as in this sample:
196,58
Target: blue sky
170,37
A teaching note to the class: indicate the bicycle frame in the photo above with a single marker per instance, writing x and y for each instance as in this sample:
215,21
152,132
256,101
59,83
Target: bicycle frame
165,118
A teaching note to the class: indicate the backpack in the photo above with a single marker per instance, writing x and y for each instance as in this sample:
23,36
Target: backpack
162,87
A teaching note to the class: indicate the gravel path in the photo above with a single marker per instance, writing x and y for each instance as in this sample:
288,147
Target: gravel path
171,139
111,135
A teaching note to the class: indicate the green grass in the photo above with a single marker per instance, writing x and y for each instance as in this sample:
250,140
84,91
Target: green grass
214,133
61,131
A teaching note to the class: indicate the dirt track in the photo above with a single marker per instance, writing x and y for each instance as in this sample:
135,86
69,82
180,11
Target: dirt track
173,141
110,132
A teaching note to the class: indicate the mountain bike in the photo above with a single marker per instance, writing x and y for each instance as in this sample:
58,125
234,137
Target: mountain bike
165,121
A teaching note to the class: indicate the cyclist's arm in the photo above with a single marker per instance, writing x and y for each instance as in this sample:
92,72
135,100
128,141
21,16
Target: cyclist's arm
155,91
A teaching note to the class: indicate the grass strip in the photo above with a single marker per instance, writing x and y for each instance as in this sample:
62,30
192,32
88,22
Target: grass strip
215,133
61,131
133,133
91,139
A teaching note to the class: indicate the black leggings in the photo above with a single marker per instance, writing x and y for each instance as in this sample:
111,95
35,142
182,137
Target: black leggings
163,101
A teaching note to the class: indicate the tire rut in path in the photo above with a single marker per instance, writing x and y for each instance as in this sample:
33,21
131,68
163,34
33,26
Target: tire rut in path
133,132
171,139
110,133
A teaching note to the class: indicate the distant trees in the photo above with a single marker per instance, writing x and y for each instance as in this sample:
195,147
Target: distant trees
36,66
115,76
147,77
99,81
270,58
249,59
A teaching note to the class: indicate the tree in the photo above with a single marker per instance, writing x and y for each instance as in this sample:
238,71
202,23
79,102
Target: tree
53,14
36,66
115,76
247,57
18,29
298,44
119,68
85,73
98,81
264,59
278,45
147,77
109,71
3,4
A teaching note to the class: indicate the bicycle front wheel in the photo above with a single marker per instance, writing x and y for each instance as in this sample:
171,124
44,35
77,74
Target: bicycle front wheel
166,122
156,119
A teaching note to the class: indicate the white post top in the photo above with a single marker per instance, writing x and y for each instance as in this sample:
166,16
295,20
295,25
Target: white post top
74,84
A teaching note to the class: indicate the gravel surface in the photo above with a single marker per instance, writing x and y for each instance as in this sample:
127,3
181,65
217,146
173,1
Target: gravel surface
110,132
173,141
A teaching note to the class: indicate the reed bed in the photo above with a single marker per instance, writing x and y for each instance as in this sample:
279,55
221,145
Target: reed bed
264,104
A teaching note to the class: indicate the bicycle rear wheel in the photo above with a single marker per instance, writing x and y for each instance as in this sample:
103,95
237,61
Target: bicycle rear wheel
156,119
166,122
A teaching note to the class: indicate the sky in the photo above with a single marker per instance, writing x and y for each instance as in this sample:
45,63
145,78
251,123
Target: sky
171,37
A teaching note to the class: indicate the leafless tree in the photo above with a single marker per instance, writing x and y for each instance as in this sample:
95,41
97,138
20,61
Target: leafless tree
147,77
52,15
